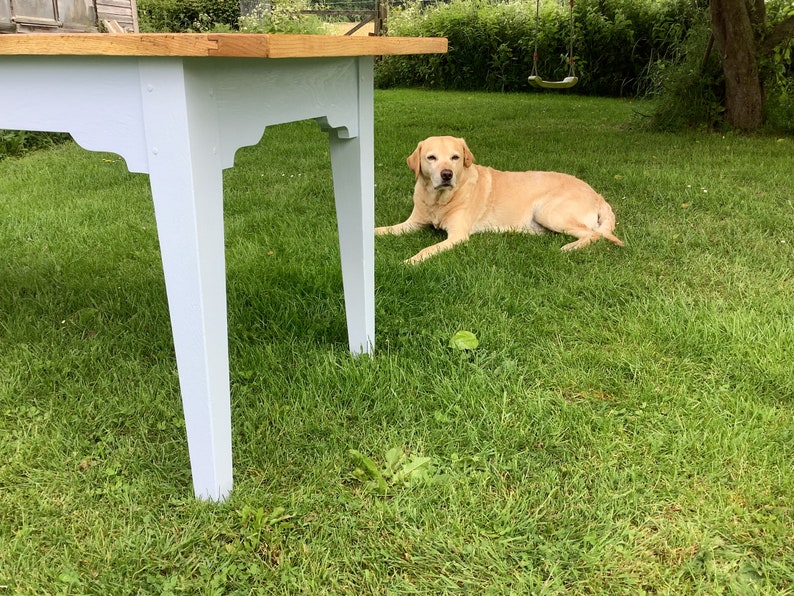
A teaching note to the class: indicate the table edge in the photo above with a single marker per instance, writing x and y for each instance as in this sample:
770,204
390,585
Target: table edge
243,45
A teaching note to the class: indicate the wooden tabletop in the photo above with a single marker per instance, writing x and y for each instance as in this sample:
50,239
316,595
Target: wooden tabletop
215,44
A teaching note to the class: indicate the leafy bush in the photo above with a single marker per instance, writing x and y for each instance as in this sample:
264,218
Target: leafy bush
780,111
618,41
14,143
284,17
224,15
491,45
689,89
780,71
187,16
689,86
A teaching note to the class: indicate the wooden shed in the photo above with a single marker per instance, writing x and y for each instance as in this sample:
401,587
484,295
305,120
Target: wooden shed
68,16
123,13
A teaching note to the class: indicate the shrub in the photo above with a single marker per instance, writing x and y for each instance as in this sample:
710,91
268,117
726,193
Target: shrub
688,90
619,41
14,143
224,15
689,86
780,111
491,45
779,70
283,17
187,16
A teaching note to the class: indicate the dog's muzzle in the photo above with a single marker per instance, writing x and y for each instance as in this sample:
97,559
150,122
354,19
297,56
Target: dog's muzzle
446,179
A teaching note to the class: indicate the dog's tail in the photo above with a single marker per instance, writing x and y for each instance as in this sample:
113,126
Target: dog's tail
606,223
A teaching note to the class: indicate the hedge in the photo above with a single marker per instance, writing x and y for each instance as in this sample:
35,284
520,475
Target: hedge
491,45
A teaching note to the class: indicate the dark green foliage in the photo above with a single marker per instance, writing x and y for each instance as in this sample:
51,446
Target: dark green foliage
619,40
689,91
491,45
780,110
185,16
14,143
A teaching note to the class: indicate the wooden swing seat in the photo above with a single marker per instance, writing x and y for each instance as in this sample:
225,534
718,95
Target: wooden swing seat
566,83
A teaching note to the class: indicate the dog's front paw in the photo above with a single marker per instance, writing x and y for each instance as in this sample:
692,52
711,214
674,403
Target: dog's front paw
422,255
417,258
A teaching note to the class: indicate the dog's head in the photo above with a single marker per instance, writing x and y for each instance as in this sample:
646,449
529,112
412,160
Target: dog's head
440,161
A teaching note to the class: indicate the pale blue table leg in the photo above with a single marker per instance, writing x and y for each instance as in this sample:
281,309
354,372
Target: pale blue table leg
353,166
185,170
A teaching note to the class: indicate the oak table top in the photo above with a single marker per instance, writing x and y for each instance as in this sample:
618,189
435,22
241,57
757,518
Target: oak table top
237,45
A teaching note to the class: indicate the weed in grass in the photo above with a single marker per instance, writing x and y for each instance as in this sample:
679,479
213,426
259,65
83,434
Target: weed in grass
399,470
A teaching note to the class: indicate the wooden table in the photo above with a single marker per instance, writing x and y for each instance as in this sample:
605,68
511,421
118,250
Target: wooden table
178,106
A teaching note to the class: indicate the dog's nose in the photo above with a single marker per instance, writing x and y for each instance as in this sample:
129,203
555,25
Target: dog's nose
446,175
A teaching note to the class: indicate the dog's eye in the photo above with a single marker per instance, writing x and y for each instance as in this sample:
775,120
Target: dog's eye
431,158
455,157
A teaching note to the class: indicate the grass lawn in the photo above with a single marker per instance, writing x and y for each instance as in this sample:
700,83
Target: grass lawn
624,426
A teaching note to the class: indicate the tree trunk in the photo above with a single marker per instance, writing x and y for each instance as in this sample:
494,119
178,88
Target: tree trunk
732,27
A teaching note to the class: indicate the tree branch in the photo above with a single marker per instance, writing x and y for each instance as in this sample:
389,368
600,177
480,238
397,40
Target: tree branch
780,33
757,11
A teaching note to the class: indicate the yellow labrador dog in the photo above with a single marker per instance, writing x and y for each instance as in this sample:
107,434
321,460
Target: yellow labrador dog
455,194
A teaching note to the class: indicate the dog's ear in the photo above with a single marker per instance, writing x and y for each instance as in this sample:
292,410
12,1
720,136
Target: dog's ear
414,160
468,156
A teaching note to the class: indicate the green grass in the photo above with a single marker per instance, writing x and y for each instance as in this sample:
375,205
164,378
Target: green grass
624,426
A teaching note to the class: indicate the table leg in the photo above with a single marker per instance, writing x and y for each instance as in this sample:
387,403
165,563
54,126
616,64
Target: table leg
353,163
187,188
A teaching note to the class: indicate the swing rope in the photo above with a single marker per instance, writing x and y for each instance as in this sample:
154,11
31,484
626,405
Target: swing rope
534,79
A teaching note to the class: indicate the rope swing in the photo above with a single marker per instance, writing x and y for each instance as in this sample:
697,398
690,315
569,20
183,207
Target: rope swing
534,79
